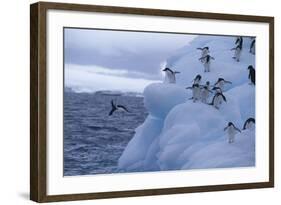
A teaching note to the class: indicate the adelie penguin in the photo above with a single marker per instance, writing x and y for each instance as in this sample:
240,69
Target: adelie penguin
170,75
231,131
249,123
218,99
221,82
253,47
205,93
196,92
206,60
252,74
237,53
115,107
204,52
239,41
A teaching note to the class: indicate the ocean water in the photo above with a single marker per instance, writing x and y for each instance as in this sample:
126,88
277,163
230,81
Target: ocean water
94,141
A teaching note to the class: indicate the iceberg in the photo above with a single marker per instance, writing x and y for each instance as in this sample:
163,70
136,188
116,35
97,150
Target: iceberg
180,134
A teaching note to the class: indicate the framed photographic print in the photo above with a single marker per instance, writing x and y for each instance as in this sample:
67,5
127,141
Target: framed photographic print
134,102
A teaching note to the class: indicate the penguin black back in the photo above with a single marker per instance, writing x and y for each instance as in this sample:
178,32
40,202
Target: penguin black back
216,96
248,121
252,74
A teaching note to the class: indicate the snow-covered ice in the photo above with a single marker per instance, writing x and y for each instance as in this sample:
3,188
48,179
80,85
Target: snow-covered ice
181,134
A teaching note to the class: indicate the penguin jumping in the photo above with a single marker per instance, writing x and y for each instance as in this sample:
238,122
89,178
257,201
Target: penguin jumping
206,62
204,51
196,92
231,131
221,82
237,53
115,107
218,100
249,123
252,74
253,47
170,75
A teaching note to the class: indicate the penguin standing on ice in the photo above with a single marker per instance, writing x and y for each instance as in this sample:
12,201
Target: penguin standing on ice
237,53
204,51
207,62
231,131
197,79
218,100
221,82
196,92
205,93
170,75
252,74
115,107
253,47
249,123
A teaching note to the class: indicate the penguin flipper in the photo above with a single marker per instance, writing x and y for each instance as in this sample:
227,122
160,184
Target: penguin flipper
111,112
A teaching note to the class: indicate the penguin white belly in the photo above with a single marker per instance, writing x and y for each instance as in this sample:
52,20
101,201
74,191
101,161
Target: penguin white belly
120,109
196,94
221,85
250,125
231,134
218,101
204,95
207,66
237,54
204,53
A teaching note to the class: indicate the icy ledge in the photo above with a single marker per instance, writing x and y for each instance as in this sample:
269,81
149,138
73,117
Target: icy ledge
179,134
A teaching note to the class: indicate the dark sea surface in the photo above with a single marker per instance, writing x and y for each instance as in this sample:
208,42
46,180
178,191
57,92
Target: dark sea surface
94,141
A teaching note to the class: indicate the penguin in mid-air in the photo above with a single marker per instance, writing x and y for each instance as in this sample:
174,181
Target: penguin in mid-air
231,131
249,123
253,47
204,51
252,74
197,79
115,107
196,92
218,100
170,75
221,82
237,53
206,62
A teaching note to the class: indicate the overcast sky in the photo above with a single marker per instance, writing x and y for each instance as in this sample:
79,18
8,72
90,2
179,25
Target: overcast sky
118,55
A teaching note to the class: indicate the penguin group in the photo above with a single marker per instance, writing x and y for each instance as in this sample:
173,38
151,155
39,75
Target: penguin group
202,92
239,46
232,130
206,59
